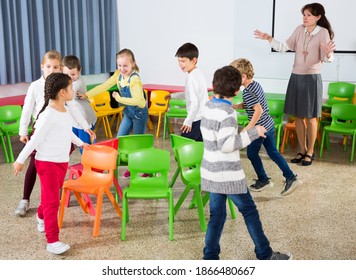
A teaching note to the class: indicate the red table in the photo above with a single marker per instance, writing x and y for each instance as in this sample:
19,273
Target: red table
150,87
13,100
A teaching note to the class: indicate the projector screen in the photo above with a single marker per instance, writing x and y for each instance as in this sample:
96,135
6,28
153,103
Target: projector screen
340,13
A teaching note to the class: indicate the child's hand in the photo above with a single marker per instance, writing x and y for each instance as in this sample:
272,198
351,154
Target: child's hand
235,106
82,95
24,139
85,145
185,129
91,134
261,131
17,168
115,94
168,97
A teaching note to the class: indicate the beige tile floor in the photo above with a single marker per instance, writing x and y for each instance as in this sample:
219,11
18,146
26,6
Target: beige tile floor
316,222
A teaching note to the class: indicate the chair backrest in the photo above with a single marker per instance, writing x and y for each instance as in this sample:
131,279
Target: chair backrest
99,158
131,143
177,141
101,102
344,115
189,158
149,161
113,142
10,116
158,101
178,108
340,92
276,108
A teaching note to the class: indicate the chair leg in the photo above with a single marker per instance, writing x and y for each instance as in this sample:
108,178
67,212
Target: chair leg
171,215
3,145
99,206
61,208
174,178
118,189
200,207
124,217
353,147
113,202
158,125
181,199
322,144
232,208
9,148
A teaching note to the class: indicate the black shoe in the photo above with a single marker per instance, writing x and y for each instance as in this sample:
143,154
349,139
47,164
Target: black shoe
259,185
277,256
291,185
308,162
299,157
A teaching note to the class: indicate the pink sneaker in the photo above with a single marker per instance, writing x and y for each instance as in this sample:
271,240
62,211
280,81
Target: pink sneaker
126,174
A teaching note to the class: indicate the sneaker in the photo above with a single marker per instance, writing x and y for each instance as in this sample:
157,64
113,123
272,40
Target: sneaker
57,248
40,224
259,185
277,256
23,207
126,175
291,185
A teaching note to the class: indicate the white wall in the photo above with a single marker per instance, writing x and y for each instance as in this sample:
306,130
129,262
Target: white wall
155,29
222,30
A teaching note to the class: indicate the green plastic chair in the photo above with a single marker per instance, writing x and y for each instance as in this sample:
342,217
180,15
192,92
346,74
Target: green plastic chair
149,161
189,157
276,108
242,117
10,116
343,122
177,109
132,143
177,141
339,92
3,146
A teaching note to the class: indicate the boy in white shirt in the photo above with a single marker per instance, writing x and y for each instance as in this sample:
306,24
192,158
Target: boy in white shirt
72,67
195,92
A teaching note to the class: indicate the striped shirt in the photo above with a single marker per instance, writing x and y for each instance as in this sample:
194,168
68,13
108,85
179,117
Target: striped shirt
252,95
221,169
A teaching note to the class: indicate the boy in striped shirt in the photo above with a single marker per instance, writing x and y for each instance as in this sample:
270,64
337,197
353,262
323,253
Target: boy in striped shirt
255,103
221,169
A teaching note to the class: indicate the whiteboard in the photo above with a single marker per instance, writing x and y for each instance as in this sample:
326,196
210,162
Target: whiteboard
340,13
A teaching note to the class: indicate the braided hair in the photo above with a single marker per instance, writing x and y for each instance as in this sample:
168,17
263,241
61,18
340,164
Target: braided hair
54,83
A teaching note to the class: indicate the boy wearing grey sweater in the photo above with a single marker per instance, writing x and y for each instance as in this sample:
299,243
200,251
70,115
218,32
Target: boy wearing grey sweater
221,170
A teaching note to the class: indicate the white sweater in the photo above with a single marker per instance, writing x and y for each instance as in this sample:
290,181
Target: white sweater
52,137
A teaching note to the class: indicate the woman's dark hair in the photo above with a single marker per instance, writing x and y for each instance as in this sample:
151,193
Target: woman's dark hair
317,9
54,83
227,81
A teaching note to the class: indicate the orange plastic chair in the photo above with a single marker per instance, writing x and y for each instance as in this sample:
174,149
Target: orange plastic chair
94,158
159,106
103,110
76,170
289,131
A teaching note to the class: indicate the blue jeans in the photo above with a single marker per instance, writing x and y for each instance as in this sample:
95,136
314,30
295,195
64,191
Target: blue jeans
137,125
270,145
247,208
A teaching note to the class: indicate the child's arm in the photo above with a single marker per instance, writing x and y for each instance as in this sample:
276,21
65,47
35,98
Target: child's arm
137,97
29,105
256,116
102,87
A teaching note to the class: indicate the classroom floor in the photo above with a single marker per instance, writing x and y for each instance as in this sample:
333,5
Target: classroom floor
316,222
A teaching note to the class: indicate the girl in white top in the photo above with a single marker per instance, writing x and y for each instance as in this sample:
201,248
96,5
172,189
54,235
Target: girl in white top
52,140
51,63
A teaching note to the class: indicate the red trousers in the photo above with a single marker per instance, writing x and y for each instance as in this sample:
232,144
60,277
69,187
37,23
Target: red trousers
51,176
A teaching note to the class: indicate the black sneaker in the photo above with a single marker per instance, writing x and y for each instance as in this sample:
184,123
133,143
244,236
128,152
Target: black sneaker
277,256
259,185
290,185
